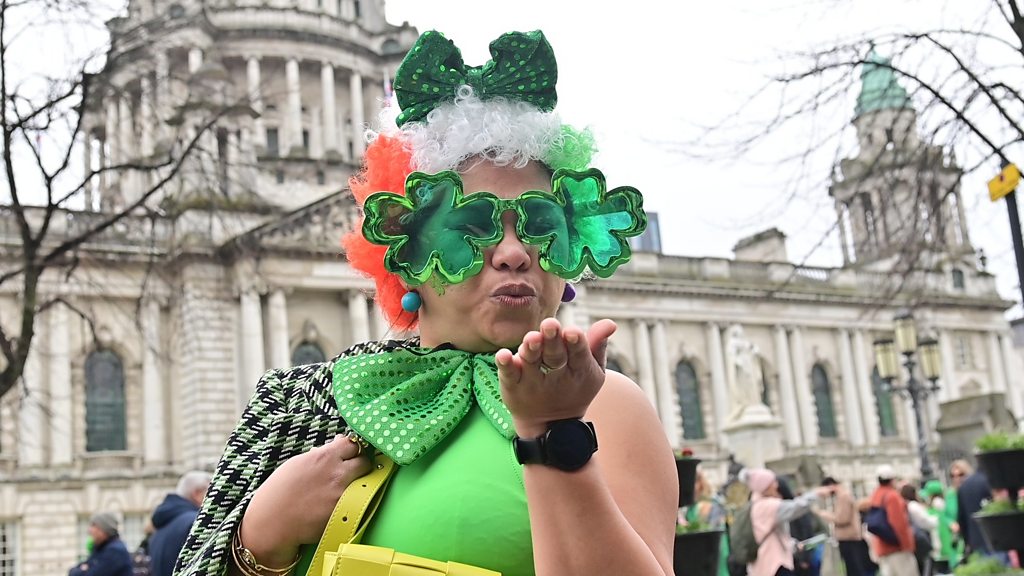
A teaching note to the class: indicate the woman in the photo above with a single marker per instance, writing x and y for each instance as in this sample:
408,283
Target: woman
925,528
945,551
770,515
471,242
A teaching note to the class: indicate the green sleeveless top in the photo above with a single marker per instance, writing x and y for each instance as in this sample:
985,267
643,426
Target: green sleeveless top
463,501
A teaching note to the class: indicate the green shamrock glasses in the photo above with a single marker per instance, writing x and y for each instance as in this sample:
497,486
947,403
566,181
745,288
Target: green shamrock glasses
435,229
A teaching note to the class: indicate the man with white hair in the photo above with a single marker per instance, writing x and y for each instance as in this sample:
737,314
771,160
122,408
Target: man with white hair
173,519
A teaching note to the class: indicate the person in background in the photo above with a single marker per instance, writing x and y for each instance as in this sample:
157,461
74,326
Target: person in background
806,561
173,519
770,516
945,553
972,491
845,517
893,559
925,528
709,509
108,556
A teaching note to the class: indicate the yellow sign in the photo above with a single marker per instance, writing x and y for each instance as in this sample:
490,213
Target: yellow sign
1004,183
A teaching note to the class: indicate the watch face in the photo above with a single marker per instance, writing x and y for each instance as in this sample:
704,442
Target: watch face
569,444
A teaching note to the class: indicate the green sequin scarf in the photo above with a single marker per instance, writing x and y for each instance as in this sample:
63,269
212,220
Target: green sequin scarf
405,401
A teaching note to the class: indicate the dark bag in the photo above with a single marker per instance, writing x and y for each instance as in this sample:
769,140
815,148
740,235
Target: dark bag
742,543
877,521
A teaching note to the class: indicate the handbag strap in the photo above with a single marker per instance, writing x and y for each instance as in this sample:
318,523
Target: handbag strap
354,510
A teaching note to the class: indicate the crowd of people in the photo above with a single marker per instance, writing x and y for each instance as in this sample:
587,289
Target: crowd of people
899,529
165,533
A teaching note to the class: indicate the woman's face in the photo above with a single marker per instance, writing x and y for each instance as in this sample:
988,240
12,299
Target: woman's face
511,294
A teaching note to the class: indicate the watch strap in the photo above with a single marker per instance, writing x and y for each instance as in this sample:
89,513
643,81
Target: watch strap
529,450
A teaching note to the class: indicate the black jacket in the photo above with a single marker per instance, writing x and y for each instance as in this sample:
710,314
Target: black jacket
172,519
108,559
971,494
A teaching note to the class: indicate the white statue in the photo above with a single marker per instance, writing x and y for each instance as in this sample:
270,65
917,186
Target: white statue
744,371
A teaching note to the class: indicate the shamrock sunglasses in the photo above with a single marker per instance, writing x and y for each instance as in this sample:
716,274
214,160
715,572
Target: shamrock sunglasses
435,228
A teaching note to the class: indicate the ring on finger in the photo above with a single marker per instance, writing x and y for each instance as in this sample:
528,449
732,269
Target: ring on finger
358,440
545,369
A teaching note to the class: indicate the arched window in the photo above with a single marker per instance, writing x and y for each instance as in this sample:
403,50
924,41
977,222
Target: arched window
104,402
958,279
883,403
307,353
823,402
689,401
766,396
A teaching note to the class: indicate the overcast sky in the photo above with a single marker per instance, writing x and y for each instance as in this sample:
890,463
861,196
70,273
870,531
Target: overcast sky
645,74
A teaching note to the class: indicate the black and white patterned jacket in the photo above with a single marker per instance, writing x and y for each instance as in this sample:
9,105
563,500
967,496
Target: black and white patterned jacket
291,412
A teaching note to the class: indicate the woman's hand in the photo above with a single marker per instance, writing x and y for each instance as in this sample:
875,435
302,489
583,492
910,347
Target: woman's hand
293,506
555,374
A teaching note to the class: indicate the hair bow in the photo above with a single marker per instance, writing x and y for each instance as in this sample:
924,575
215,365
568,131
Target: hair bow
522,67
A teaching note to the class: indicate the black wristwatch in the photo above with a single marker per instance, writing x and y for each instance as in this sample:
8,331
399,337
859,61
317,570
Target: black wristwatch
567,445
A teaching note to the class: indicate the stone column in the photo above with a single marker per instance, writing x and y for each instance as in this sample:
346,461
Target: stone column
995,363
663,384
32,411
294,89
358,316
153,398
111,134
804,399
379,322
146,116
644,363
125,130
252,72
868,406
254,363
851,402
948,387
841,212
87,152
277,325
355,86
163,92
61,443
1014,387
719,389
329,109
787,395
316,143
195,59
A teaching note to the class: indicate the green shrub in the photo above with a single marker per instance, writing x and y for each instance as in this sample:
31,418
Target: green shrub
996,507
1000,441
978,565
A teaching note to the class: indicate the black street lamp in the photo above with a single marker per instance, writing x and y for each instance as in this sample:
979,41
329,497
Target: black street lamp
888,369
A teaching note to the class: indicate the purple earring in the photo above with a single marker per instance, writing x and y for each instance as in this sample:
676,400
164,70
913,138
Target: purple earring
568,293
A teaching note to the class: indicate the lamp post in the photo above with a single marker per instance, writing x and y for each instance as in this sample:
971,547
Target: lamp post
906,343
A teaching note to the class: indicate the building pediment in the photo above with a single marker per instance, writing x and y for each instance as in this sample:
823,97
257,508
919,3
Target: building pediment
313,229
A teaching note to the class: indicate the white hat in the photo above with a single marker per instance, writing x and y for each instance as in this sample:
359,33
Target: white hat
885,472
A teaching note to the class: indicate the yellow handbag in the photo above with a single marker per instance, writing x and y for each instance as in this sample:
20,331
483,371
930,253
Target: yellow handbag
340,554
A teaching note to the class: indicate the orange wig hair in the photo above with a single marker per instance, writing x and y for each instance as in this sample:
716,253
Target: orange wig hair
386,165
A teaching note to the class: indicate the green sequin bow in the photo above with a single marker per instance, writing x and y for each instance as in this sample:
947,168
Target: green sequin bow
405,402
436,229
522,67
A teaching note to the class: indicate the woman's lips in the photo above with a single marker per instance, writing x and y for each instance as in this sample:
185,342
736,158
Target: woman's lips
514,295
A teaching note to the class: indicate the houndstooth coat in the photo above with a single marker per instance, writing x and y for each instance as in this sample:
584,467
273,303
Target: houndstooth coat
291,412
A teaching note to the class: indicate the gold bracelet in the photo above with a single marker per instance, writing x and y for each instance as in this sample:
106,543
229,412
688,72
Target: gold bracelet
246,561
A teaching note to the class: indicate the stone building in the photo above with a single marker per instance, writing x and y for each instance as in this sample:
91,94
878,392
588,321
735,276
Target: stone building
236,269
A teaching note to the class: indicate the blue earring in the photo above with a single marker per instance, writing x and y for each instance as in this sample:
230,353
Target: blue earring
411,302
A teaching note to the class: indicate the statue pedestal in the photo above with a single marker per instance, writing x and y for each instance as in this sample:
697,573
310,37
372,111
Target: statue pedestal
755,436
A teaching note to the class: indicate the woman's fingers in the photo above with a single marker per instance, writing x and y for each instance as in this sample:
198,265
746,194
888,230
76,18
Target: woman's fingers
598,336
554,355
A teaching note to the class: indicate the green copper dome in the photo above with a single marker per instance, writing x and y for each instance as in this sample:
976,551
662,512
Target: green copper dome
879,89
